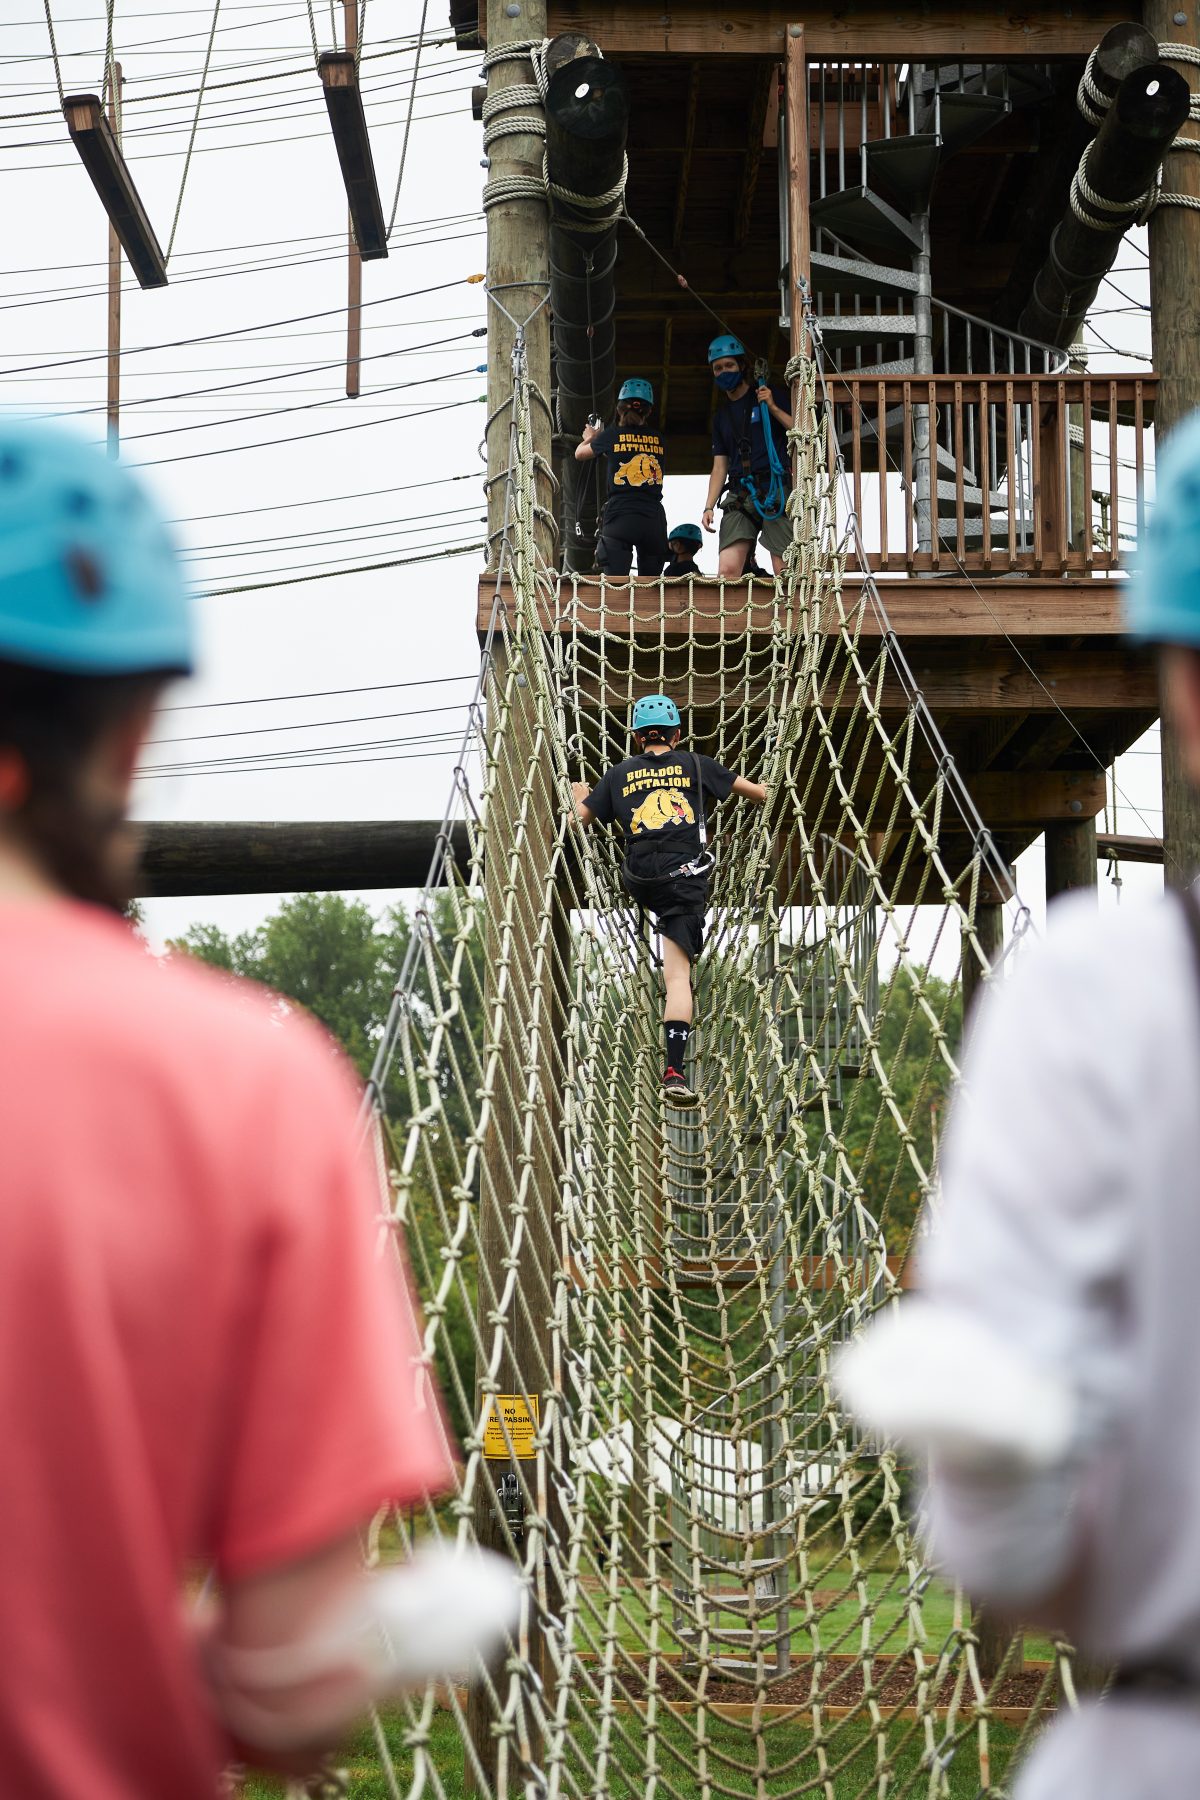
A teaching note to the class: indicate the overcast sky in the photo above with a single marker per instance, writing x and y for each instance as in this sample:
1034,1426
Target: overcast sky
284,476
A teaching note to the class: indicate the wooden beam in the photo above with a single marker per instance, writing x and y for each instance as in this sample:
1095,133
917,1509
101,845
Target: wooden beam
934,609
100,155
758,28
1071,856
1129,849
799,165
766,88
343,102
1066,797
193,857
685,167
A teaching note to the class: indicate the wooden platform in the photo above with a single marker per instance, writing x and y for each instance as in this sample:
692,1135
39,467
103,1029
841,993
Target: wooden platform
1031,683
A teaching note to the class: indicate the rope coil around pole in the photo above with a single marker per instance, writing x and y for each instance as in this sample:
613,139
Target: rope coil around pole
1091,100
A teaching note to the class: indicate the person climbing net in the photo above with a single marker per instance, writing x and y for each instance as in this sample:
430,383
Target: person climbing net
657,798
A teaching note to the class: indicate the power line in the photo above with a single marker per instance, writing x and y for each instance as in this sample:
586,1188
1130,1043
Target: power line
277,412
400,562
326,499
213,337
375,687
301,437
224,387
201,737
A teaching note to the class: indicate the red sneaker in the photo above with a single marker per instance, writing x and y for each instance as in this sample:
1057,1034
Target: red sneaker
676,1091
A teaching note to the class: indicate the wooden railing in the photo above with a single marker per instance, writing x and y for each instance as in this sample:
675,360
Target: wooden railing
994,474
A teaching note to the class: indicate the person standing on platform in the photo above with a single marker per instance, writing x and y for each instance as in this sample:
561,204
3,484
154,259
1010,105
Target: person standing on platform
682,545
203,1362
658,798
752,463
1047,1367
633,518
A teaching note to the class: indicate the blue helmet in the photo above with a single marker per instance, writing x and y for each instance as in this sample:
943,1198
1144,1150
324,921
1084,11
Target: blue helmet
637,389
725,346
90,581
655,709
686,534
1162,600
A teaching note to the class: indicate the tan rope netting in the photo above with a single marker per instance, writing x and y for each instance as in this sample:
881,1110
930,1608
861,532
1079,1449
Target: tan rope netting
723,1592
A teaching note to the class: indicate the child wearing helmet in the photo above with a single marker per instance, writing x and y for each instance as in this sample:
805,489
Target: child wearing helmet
196,1332
658,797
682,545
751,472
633,518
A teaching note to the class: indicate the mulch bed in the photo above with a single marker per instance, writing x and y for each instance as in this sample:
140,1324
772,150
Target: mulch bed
841,1686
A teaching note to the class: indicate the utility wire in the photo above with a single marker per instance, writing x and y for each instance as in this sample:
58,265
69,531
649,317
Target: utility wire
278,412
300,437
399,562
236,331
375,687
204,737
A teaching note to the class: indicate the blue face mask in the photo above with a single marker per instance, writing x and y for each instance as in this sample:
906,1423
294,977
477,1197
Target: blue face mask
729,379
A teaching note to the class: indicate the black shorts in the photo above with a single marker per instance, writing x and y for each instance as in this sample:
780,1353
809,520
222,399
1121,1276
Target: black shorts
677,904
627,529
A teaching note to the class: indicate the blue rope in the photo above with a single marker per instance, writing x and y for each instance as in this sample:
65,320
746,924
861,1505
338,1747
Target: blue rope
772,507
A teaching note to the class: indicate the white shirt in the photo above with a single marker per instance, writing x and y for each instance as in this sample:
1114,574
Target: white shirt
1071,1227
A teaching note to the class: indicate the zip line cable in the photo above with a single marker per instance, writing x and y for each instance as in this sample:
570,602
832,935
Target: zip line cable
195,121
408,120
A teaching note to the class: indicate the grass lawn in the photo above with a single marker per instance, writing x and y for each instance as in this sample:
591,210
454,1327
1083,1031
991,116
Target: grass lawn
790,1761
839,1622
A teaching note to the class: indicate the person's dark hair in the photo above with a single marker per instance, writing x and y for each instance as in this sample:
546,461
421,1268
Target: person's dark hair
54,722
655,734
627,411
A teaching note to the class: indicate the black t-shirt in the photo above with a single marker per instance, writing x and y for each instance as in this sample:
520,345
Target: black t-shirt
687,567
653,800
635,466
735,421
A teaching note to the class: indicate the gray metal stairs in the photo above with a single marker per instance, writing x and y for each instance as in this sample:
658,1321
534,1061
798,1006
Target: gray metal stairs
883,131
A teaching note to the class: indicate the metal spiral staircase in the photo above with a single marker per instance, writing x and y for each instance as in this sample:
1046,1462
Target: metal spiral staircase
879,133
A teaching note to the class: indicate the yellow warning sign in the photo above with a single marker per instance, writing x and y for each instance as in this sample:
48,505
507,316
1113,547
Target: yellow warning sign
522,1425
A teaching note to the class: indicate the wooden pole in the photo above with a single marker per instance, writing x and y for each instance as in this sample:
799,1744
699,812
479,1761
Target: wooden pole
518,270
989,929
993,1634
1175,329
523,996
587,112
796,108
1070,857
353,259
200,856
116,82
1119,166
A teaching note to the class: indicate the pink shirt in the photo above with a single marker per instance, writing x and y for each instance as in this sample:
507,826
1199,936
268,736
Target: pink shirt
202,1358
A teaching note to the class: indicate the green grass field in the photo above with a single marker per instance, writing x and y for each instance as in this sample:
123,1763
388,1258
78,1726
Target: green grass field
791,1761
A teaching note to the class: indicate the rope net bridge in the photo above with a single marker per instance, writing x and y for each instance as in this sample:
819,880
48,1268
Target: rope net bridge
631,1310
